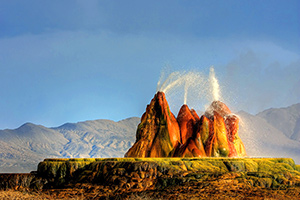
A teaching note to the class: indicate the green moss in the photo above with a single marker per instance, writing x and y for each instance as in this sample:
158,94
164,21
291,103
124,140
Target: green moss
265,165
49,168
250,165
288,161
205,165
283,167
235,165
223,151
297,167
169,113
82,159
141,125
204,131
165,142
264,172
59,171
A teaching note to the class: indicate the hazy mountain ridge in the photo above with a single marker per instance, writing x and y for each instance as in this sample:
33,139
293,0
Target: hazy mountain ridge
287,120
261,139
98,138
23,148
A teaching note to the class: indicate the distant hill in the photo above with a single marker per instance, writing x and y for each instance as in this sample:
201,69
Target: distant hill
272,133
23,148
262,139
287,120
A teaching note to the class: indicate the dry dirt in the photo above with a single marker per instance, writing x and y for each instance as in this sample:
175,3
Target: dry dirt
213,189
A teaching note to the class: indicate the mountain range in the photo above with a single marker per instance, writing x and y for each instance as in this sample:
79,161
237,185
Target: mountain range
272,133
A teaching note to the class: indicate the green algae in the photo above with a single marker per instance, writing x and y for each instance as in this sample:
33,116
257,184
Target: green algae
262,172
297,168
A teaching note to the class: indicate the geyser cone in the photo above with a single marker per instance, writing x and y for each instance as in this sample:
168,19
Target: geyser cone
158,133
204,128
232,124
218,107
190,149
217,145
192,146
186,122
223,139
196,116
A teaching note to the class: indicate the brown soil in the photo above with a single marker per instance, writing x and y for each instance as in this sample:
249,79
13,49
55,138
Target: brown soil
225,188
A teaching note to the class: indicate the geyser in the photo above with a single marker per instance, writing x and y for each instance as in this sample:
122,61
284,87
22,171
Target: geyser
160,134
215,88
179,79
192,86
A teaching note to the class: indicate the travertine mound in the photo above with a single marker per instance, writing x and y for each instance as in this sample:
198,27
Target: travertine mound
160,134
151,173
108,178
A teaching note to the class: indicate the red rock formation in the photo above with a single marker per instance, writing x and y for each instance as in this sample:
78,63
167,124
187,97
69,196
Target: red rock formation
232,124
192,145
158,133
186,122
190,149
223,138
197,118
217,144
204,129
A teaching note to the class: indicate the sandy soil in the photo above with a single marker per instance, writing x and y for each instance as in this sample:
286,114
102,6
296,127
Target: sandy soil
214,189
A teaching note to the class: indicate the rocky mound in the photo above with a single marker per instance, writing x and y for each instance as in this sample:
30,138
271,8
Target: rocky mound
106,178
160,134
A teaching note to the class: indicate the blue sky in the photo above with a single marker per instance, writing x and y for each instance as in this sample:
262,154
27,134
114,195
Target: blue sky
69,61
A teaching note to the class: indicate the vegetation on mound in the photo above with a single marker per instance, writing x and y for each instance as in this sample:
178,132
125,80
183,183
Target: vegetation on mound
297,167
162,178
52,167
146,173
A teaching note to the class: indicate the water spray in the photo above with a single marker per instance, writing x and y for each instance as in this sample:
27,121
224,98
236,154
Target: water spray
186,87
215,88
193,86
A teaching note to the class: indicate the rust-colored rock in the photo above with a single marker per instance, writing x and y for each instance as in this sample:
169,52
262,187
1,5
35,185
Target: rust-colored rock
232,124
190,149
192,143
205,127
186,122
196,116
223,137
217,144
158,134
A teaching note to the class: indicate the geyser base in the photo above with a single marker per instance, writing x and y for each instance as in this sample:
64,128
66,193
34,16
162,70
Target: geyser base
161,178
151,171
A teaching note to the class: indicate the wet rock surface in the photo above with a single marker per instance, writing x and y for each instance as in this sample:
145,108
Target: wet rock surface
160,134
150,173
160,178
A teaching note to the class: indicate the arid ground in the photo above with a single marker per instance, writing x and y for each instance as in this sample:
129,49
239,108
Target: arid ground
217,188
